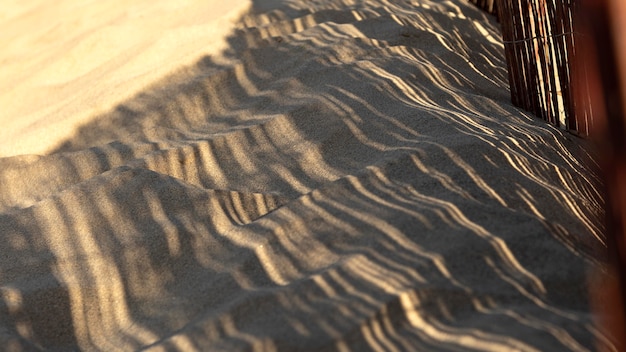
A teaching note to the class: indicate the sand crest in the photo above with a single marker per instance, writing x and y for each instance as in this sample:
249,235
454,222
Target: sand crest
342,176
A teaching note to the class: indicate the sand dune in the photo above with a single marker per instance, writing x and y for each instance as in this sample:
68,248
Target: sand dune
342,176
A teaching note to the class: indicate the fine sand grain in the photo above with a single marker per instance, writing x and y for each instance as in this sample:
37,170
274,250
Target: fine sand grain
336,175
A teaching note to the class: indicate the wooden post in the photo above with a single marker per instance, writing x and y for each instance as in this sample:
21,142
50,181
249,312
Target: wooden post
606,58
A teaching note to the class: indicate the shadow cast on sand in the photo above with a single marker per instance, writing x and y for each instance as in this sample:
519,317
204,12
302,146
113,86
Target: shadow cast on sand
345,177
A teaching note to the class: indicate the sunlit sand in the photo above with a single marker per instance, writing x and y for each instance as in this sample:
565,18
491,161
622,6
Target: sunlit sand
284,175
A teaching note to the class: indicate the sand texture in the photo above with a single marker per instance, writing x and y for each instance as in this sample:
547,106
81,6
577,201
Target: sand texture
64,61
343,175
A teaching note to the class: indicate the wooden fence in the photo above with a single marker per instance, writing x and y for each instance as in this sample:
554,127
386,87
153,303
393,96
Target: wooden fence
541,39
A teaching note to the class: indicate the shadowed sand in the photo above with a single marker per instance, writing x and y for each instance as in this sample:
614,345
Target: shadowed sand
343,176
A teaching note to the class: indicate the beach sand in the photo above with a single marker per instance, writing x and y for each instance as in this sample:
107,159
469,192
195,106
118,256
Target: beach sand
285,175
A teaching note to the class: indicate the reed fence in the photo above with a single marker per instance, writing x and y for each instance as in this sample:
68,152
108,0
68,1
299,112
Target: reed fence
542,44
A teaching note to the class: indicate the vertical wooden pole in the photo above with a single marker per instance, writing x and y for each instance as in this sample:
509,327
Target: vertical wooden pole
506,20
606,48
567,12
580,56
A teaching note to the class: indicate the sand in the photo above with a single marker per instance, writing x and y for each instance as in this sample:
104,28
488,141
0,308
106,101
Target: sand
323,175
53,52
